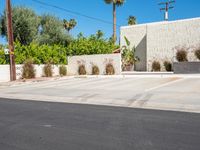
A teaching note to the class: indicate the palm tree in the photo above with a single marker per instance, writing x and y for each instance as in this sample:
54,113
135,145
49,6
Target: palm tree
99,34
115,3
132,20
69,25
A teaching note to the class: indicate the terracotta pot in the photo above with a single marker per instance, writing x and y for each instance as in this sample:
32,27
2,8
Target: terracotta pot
129,68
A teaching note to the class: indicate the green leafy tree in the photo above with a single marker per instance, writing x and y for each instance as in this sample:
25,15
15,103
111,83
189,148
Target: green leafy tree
69,25
114,3
52,32
25,24
132,20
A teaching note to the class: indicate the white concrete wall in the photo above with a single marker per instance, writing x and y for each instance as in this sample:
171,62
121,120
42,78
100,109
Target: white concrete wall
161,39
137,37
99,60
5,71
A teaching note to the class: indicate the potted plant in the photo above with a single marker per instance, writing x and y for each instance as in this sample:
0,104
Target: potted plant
128,56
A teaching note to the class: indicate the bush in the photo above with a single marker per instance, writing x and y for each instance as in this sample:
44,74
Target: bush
94,44
28,69
110,70
181,55
95,70
48,70
62,70
197,53
82,70
156,66
168,65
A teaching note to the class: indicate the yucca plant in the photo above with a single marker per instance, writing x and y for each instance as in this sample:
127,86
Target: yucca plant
82,70
156,66
48,70
28,69
110,70
197,53
62,70
168,65
95,70
181,55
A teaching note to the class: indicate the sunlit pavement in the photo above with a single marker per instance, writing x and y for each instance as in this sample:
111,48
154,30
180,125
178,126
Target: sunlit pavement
166,93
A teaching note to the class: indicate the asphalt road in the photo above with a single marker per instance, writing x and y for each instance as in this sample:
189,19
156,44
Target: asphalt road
28,125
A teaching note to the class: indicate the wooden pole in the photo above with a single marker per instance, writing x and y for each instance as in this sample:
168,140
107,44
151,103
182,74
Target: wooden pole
10,41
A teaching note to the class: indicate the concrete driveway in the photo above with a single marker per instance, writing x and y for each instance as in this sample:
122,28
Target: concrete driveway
166,93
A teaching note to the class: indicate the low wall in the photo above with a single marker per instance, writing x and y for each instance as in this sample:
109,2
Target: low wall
90,60
5,71
186,67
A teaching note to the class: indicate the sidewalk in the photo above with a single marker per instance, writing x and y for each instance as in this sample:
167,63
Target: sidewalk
153,92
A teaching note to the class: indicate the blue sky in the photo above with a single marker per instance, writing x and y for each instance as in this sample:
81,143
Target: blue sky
145,11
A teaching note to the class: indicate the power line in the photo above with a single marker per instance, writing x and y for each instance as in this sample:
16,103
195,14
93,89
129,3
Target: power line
74,12
168,5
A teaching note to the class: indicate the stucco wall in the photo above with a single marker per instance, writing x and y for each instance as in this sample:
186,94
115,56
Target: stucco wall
162,38
5,71
137,37
89,60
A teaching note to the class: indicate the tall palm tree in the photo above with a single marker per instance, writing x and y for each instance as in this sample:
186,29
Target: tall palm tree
132,20
69,25
114,3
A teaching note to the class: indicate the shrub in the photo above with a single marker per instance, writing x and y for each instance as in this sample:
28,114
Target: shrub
82,70
168,65
28,69
110,70
181,55
95,70
48,70
156,66
197,53
62,70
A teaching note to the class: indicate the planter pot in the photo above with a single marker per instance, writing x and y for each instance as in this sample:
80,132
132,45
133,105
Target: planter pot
128,68
186,67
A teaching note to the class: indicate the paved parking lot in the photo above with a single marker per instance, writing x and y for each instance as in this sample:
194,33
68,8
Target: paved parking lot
168,93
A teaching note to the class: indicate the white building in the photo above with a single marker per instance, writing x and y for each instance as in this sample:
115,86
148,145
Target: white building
157,41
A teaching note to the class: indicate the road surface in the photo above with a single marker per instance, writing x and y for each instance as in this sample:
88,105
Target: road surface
34,125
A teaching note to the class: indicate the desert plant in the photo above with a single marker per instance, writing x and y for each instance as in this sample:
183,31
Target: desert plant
110,70
28,69
95,70
156,66
62,70
128,55
197,53
48,70
181,55
168,65
82,70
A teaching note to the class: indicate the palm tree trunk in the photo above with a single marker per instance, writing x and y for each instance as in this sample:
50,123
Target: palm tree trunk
114,23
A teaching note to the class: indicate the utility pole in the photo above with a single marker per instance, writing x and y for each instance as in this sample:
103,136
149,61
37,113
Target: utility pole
168,5
10,40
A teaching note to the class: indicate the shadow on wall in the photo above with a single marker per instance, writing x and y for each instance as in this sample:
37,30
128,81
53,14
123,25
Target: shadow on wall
141,52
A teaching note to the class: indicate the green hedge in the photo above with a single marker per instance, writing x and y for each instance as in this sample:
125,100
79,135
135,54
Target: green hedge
57,54
40,54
